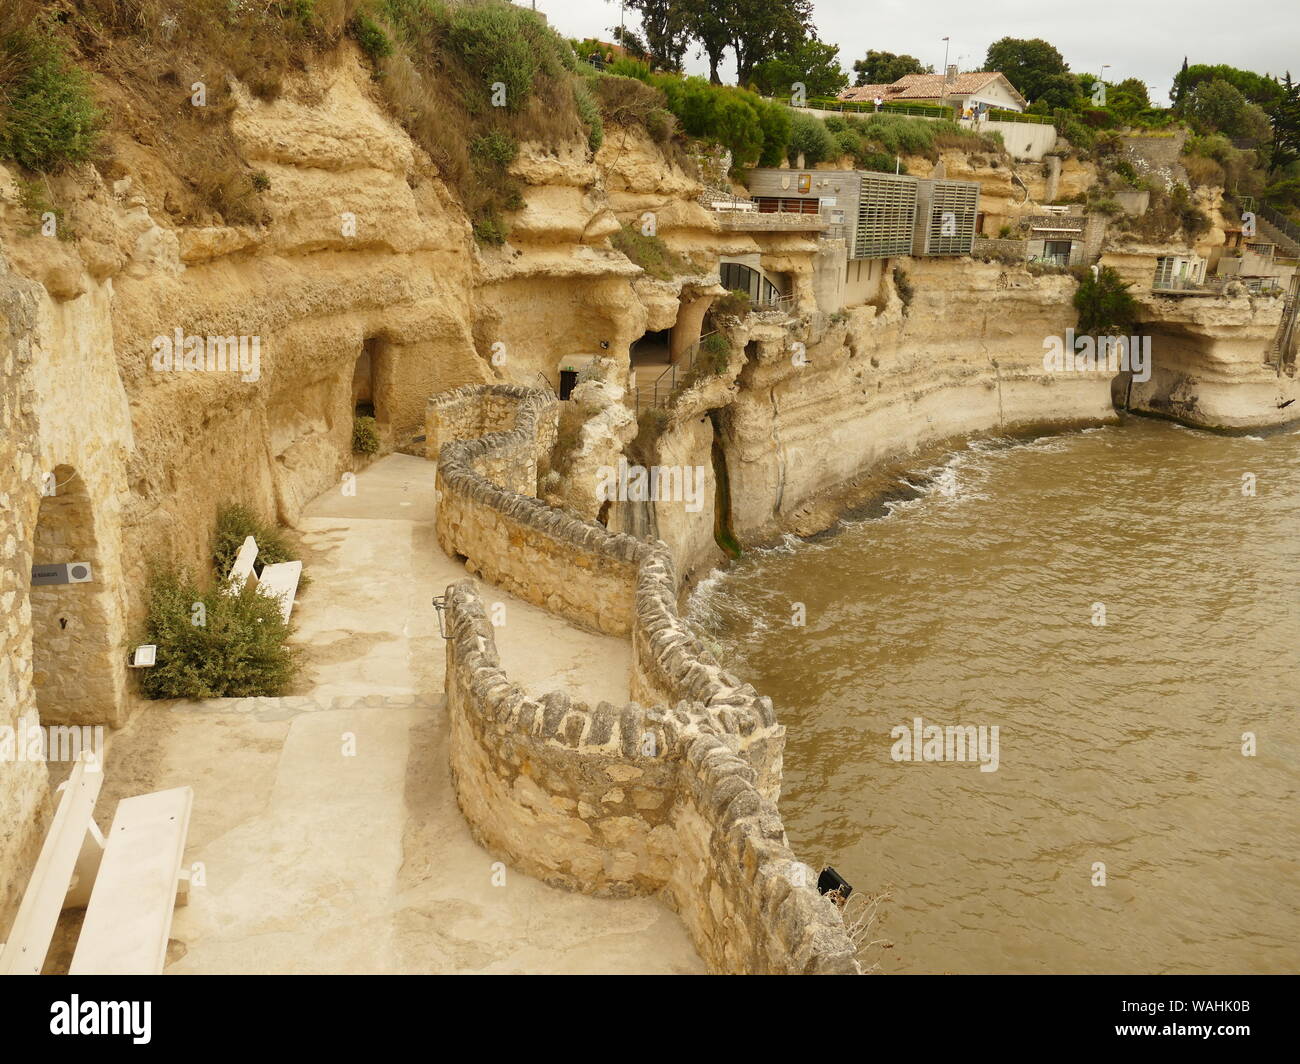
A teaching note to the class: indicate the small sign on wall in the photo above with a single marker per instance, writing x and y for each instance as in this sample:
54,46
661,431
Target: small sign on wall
68,573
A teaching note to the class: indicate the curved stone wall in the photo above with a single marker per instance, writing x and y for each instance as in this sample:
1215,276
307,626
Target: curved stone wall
613,800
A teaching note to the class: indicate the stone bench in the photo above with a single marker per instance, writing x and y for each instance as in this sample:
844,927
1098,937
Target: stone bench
129,881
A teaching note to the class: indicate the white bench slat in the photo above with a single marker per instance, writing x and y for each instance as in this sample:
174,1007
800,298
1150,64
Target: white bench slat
281,581
129,917
242,572
60,857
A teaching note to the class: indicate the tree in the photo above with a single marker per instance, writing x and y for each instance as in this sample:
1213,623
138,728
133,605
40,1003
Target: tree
884,68
1062,90
1105,305
1029,64
1285,119
706,22
1216,106
664,24
1257,88
759,28
812,63
632,44
1180,87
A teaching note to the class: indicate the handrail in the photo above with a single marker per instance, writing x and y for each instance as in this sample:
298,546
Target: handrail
1281,221
999,114
686,363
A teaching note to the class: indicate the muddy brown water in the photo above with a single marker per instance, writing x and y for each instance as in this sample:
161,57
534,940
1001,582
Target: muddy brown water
1120,745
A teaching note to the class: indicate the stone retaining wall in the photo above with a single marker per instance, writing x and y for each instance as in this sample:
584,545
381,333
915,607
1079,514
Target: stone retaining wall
617,801
613,800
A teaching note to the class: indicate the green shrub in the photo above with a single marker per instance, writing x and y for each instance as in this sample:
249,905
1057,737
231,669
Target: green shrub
489,228
1105,304
774,120
714,355
370,37
33,199
625,67
495,148
810,138
650,253
734,304
47,114
365,436
236,523
493,43
880,162
237,651
754,129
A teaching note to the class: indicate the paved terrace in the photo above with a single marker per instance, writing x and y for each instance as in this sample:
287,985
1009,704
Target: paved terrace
318,862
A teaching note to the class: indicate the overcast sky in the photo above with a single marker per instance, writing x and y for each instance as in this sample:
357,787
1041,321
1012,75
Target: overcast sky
1138,38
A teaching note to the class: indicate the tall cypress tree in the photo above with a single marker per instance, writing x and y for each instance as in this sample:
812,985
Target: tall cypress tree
1180,82
1285,119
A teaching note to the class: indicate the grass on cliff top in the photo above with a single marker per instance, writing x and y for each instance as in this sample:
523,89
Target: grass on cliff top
48,117
465,79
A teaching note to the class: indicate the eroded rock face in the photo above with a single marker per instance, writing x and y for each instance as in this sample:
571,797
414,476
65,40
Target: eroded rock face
604,424
361,281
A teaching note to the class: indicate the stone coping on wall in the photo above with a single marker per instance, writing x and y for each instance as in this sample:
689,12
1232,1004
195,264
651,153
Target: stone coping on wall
609,582
675,799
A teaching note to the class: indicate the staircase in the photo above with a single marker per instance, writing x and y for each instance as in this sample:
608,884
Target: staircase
1287,240
1280,352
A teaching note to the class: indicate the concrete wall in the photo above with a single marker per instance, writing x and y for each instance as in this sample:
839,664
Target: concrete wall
1024,140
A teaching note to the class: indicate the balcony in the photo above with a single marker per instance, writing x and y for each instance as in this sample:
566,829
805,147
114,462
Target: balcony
743,216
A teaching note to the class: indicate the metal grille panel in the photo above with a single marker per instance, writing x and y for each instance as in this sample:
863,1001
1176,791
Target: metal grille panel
953,207
886,216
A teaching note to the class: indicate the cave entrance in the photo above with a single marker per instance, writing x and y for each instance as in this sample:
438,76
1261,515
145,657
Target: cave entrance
651,356
75,673
370,379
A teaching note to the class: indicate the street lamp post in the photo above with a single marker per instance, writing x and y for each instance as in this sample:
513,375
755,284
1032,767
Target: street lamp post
943,97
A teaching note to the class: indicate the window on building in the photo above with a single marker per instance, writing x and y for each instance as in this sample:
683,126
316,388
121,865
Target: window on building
739,278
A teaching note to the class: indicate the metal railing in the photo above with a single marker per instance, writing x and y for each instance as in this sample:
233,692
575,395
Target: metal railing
1209,286
1282,222
661,390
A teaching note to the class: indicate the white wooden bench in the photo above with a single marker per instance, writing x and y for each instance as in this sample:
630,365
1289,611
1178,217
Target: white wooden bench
281,581
242,571
128,883
278,580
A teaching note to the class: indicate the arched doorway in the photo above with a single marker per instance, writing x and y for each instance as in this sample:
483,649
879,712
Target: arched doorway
77,673
365,380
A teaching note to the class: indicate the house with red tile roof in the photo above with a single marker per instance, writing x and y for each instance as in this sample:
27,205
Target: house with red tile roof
990,88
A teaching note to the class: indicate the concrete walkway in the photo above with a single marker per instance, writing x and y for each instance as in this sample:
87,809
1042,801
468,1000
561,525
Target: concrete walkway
325,823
